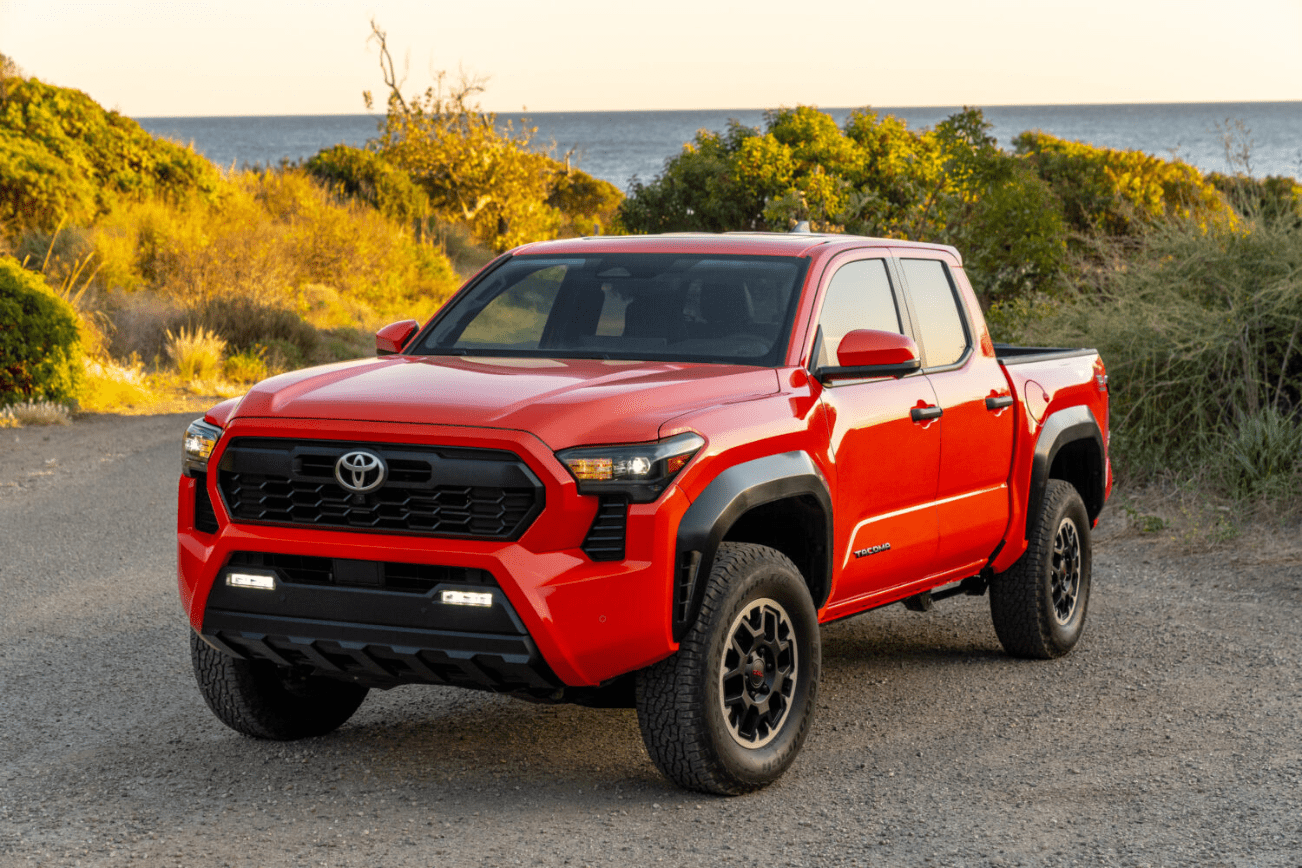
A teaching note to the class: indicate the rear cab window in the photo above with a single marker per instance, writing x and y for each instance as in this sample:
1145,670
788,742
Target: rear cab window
942,329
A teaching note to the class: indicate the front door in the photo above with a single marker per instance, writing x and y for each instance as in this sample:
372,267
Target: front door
886,463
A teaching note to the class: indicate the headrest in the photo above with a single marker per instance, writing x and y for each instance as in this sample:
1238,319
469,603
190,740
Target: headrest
721,302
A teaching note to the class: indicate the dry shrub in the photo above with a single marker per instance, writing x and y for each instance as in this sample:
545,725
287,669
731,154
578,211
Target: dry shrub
273,233
138,321
113,388
34,413
197,354
247,366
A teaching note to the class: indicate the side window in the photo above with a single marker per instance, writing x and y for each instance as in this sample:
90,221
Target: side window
859,297
935,303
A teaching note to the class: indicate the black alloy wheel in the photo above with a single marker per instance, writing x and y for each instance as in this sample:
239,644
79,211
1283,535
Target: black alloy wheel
729,712
758,673
1065,572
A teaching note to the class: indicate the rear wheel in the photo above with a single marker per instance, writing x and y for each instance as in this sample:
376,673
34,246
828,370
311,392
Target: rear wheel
258,698
729,712
1039,604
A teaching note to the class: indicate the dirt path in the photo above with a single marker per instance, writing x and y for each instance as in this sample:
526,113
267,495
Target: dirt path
1169,737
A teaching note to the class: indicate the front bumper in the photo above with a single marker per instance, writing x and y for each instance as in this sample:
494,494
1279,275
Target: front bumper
563,619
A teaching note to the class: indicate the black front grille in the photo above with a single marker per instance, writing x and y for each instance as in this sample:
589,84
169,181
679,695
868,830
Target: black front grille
474,493
605,539
388,575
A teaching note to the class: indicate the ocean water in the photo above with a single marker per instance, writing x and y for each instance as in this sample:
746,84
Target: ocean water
619,146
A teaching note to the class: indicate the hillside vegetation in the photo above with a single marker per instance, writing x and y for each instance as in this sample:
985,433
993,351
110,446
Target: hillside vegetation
180,276
185,277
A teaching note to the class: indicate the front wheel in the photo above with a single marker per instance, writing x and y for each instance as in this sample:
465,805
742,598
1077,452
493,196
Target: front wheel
729,712
263,700
1039,604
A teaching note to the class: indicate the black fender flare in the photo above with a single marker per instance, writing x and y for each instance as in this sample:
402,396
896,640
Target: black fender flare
1065,426
732,494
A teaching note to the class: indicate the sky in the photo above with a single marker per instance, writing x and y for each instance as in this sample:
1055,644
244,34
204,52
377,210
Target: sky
163,59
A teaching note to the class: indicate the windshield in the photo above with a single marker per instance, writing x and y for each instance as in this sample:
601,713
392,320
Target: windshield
660,307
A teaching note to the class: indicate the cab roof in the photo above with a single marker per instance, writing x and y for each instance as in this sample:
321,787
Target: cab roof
727,243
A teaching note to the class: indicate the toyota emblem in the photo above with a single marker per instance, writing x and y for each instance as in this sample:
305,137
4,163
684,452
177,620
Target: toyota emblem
360,472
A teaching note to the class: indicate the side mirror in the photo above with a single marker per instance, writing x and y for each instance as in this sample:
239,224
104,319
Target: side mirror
868,353
393,337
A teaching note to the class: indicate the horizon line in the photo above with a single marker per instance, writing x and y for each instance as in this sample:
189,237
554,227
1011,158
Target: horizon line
525,111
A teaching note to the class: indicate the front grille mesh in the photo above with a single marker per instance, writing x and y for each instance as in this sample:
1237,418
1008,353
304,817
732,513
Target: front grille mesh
486,494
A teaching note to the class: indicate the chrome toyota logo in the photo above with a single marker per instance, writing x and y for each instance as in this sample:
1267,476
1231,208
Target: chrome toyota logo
360,472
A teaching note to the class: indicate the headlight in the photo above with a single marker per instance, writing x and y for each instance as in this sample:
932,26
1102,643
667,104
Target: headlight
200,438
639,471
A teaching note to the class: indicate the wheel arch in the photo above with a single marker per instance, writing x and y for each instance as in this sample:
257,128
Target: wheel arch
781,501
1070,448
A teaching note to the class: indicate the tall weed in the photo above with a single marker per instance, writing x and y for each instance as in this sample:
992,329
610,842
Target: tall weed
1261,458
1201,331
197,354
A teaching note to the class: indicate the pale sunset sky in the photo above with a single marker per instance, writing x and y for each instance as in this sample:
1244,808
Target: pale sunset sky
273,58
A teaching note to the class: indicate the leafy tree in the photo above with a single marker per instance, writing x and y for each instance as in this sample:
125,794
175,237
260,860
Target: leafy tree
872,177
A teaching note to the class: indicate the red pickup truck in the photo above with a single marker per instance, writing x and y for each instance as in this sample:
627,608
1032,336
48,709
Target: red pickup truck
641,471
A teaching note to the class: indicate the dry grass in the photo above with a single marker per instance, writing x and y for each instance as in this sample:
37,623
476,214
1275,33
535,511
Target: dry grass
197,353
276,274
34,413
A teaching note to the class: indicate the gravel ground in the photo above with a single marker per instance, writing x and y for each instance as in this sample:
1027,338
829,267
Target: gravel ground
1169,737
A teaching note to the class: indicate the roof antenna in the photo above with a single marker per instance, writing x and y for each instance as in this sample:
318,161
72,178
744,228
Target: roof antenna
802,227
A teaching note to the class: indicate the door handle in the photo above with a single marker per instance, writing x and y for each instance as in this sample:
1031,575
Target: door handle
999,402
925,414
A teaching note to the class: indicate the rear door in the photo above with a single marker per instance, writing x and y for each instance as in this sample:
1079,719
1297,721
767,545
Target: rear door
886,463
976,429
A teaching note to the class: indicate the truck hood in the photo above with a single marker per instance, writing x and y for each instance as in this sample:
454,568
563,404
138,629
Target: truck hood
563,402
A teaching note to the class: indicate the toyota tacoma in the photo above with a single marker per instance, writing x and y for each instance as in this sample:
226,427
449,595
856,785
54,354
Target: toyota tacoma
641,471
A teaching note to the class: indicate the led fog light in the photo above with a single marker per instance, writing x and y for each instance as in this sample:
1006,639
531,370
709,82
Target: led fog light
261,581
467,598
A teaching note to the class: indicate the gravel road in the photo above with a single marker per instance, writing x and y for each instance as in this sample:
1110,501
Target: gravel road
1169,737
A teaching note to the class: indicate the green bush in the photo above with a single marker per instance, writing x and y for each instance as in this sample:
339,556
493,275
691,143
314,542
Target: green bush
40,348
587,205
1114,192
365,176
1277,197
1262,457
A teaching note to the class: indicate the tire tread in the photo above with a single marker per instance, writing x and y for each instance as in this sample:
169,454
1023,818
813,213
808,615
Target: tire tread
1017,596
671,698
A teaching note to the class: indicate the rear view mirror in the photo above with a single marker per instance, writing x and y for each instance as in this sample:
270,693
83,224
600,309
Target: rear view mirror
393,337
867,353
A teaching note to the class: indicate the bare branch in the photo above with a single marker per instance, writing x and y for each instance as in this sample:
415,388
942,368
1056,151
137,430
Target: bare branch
391,79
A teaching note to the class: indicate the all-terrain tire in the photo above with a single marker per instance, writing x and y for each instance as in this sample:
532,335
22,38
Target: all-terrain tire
258,698
729,712
1039,604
